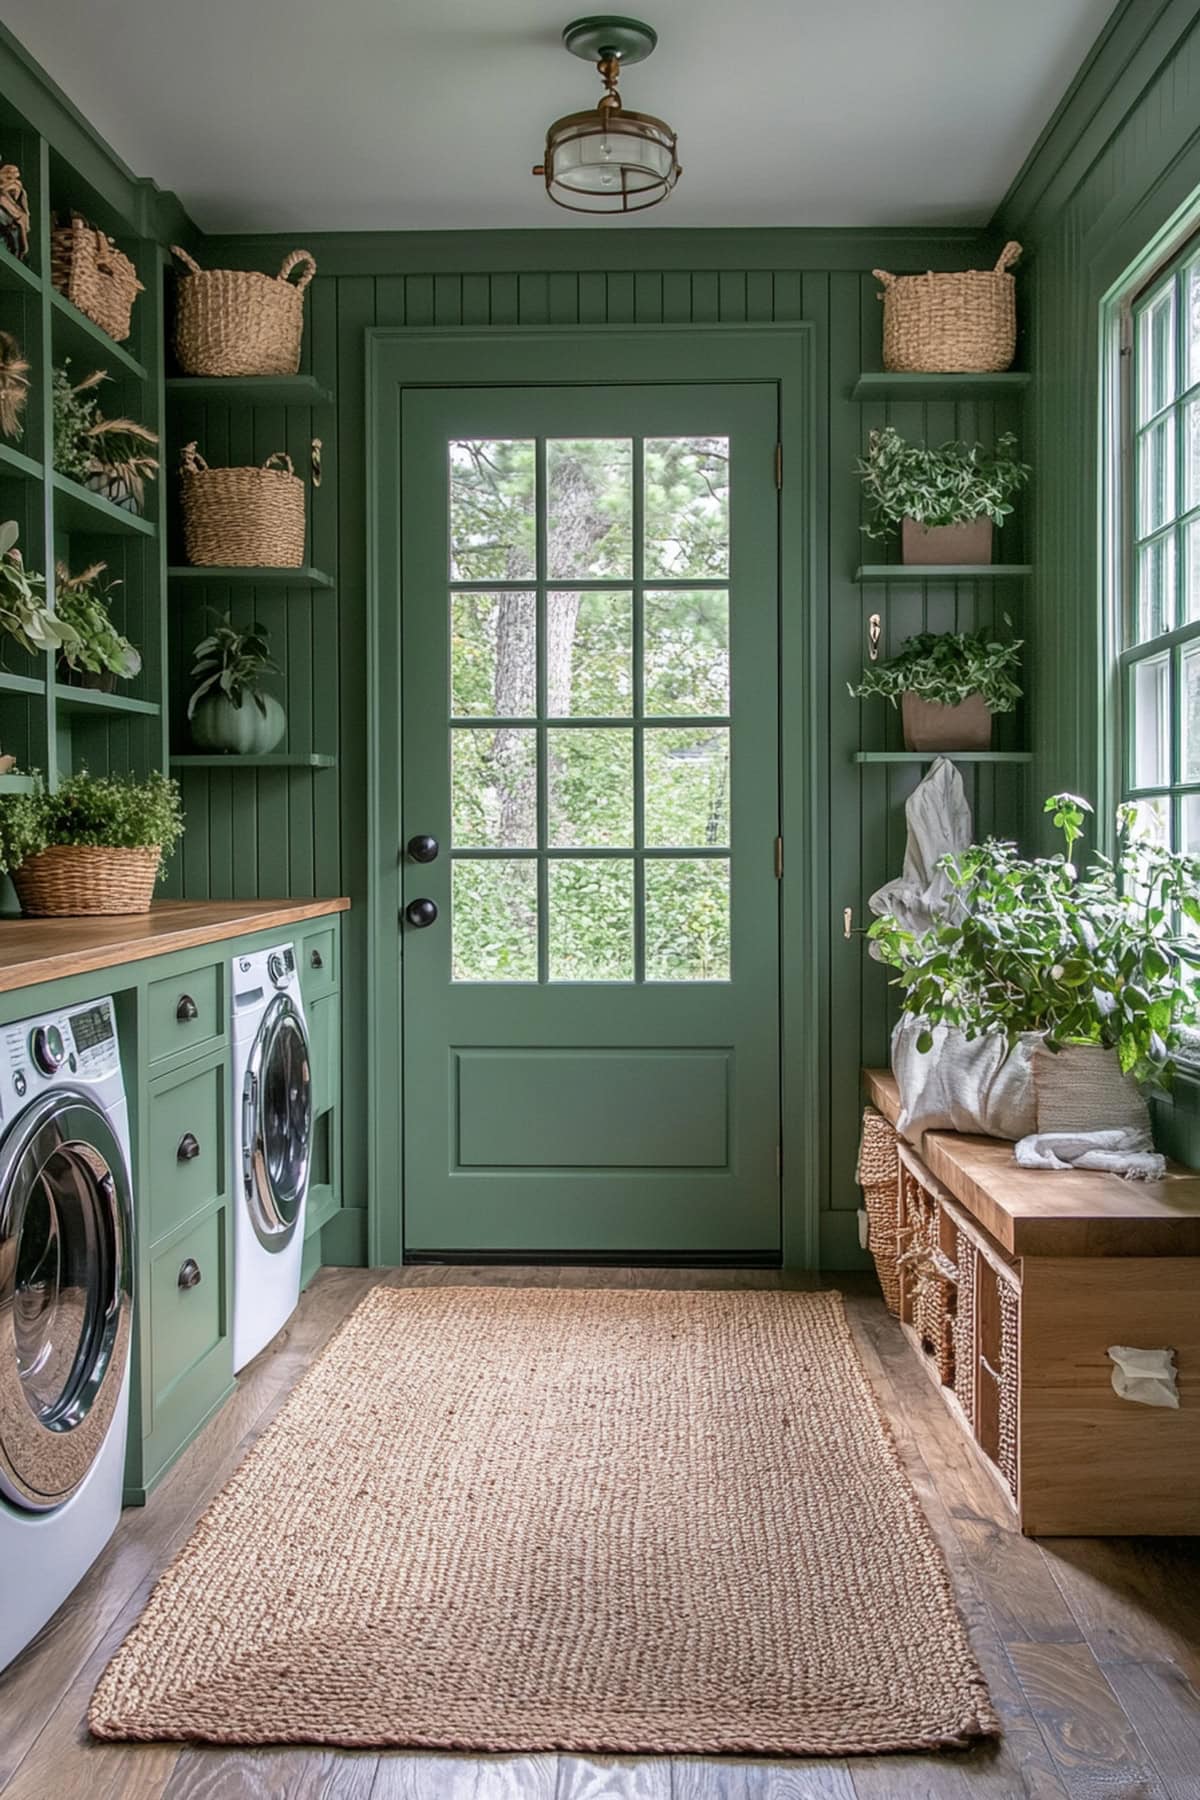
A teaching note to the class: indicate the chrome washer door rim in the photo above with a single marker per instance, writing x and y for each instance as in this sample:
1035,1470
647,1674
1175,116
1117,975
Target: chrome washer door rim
274,1192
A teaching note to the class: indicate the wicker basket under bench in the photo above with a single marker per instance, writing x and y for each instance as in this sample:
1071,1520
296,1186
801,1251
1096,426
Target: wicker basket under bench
1012,1284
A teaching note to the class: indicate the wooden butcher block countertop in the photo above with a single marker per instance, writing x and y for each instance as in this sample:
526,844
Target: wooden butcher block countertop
1043,1212
33,950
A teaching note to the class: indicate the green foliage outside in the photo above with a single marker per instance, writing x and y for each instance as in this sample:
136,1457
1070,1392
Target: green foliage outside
948,667
119,812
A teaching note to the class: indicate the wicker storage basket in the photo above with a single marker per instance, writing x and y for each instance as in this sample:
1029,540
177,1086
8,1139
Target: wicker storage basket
94,275
928,1278
238,322
878,1175
242,518
72,879
958,323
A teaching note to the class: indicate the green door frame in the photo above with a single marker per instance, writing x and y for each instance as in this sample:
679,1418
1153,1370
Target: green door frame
399,358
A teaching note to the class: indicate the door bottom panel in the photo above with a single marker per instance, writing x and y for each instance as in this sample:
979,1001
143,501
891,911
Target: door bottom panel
607,1259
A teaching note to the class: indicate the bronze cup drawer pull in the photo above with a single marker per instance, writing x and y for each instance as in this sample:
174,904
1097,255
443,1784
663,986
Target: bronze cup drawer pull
316,960
189,1148
189,1273
187,1010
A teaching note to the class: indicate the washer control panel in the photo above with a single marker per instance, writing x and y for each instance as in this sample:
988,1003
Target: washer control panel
78,1044
257,976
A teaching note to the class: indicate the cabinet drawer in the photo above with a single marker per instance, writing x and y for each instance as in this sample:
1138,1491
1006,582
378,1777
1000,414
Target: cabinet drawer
187,1304
318,962
323,1018
186,1150
186,1013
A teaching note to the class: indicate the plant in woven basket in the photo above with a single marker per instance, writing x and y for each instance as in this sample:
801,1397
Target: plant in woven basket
1105,957
24,614
952,484
95,646
14,385
228,708
109,811
111,456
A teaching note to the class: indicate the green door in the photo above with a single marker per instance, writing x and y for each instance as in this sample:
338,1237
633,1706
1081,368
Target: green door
590,733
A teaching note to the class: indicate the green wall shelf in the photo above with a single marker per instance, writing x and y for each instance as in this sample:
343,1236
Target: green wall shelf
80,510
942,572
250,390
273,761
885,386
305,577
20,684
19,784
924,756
14,462
95,700
18,275
75,336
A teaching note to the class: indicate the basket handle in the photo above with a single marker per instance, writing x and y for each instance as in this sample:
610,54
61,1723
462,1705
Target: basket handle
1008,257
882,275
191,459
292,261
282,458
189,262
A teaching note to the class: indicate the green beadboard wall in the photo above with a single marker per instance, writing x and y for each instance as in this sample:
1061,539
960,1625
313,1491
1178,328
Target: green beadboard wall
1118,164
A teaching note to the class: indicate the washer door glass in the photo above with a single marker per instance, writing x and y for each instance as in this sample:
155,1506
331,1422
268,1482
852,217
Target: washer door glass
66,1266
277,1124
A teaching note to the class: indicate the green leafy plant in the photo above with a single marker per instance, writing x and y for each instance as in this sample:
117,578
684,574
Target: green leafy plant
82,609
1105,957
24,614
87,444
948,667
947,485
233,663
120,812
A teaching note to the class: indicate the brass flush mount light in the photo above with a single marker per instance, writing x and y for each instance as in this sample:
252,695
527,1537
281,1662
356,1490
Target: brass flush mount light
609,160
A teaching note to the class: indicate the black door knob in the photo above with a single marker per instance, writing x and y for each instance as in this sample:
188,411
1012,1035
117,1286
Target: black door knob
423,849
420,912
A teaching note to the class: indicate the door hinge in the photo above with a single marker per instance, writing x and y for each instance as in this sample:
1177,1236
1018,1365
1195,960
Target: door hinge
779,859
779,465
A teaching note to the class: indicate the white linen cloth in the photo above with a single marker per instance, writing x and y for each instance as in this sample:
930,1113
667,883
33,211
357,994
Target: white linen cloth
1124,1150
939,823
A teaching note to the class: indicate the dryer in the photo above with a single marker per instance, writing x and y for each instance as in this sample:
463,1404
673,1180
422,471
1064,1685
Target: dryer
66,1307
272,1137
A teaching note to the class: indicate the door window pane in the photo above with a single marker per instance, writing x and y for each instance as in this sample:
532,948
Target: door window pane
686,634
1152,722
589,507
591,920
589,654
493,653
494,920
1156,587
1156,354
1189,701
1156,488
687,920
494,789
590,788
687,787
493,518
687,507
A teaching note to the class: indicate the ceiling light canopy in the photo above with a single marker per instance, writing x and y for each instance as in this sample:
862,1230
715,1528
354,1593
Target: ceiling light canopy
609,160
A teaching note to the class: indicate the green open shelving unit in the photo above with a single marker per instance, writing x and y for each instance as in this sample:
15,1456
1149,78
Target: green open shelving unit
921,572
230,761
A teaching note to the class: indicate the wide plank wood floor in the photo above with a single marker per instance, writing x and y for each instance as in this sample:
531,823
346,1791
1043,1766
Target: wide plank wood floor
1091,1646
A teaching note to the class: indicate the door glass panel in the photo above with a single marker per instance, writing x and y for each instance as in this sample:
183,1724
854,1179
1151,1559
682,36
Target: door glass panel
687,920
1156,354
590,788
687,787
687,507
284,1118
591,920
493,516
494,788
589,654
493,653
589,507
57,1301
495,911
1152,722
1156,488
686,652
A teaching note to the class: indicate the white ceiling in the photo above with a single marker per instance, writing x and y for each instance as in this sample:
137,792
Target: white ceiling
307,115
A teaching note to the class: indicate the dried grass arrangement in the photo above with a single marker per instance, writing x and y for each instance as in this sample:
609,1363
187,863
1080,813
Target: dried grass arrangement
14,385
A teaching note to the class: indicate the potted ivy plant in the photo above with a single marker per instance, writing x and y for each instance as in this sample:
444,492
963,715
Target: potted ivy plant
94,845
1106,958
228,708
112,457
950,685
94,653
945,499
24,614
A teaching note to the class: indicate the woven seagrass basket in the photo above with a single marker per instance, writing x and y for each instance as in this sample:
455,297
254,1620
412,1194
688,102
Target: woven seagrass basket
242,518
878,1175
238,322
95,276
73,879
961,323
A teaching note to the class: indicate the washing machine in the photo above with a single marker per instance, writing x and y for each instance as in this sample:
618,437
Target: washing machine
66,1307
272,1137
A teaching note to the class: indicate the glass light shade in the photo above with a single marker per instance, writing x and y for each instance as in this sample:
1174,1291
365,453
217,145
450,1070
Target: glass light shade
609,161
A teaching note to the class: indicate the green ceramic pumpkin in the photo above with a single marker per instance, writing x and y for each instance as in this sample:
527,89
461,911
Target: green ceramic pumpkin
217,724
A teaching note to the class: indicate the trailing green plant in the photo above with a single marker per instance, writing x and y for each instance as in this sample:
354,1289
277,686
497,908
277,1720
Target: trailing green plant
949,484
24,614
948,667
233,663
82,608
1106,957
87,444
119,812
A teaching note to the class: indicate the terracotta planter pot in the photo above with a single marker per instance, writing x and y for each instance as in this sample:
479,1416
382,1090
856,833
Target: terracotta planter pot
929,725
970,543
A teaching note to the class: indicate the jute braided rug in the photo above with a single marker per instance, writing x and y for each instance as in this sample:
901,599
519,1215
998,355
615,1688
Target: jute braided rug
588,1520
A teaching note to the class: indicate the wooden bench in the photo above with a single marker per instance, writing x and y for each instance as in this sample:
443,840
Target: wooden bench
1013,1283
